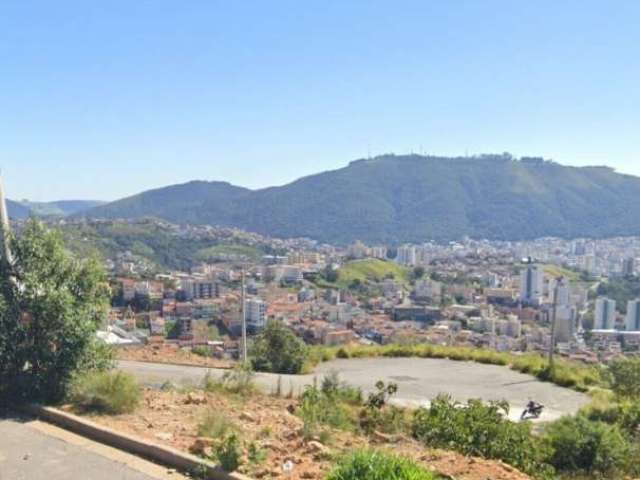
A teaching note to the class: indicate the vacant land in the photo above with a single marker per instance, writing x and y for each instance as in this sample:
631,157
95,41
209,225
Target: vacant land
265,426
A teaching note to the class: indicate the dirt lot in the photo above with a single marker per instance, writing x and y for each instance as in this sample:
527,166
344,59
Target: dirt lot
169,354
172,417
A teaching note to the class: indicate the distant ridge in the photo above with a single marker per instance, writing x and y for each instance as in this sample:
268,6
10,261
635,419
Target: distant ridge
61,208
17,211
410,198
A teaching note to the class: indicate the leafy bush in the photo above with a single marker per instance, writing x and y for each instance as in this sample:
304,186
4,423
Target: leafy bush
48,325
255,454
581,445
228,453
107,392
375,465
378,415
202,351
482,430
625,376
318,408
277,349
332,387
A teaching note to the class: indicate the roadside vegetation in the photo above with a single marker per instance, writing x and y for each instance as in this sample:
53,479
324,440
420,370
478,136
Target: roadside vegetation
601,441
565,374
277,349
112,393
51,305
376,465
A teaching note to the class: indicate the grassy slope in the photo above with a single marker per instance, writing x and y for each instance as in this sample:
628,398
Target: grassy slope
370,269
557,271
153,242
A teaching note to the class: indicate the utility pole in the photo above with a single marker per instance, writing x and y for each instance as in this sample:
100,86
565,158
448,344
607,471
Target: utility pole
244,319
5,252
552,342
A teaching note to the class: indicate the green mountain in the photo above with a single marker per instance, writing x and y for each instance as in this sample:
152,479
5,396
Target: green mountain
16,210
411,198
61,208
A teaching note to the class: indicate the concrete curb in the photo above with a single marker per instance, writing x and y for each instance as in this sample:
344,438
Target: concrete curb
177,364
158,453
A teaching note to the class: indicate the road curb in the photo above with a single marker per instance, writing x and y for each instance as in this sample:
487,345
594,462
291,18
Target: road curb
177,364
158,453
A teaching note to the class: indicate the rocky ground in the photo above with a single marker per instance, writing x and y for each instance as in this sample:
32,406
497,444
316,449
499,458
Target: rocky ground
266,422
168,353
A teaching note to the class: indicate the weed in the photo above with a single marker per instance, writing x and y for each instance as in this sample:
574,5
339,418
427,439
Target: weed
107,392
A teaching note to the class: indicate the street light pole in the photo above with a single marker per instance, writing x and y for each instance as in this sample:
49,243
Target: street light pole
552,342
244,319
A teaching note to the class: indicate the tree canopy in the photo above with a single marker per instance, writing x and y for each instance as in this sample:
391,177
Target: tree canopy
51,305
277,349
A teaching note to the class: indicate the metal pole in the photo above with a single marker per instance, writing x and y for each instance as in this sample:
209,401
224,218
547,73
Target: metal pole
552,342
244,320
5,229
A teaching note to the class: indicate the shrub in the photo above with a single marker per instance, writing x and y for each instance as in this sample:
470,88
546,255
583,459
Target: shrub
375,465
215,425
378,415
583,446
625,376
228,453
482,430
317,408
48,325
255,454
238,381
107,392
277,349
332,387
202,351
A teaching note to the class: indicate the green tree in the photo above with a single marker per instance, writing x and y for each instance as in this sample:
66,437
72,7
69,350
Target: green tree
51,305
580,445
330,274
277,349
418,272
625,376
480,429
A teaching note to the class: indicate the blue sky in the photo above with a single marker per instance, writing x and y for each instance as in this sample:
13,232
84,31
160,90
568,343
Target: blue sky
106,99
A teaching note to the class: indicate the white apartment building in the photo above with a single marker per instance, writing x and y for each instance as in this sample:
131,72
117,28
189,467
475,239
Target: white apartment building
255,313
565,323
407,255
531,284
605,317
633,316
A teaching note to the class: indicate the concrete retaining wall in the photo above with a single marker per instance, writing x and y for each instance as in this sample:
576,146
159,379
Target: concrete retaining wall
158,453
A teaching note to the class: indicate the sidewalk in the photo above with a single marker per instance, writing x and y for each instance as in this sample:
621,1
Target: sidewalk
33,450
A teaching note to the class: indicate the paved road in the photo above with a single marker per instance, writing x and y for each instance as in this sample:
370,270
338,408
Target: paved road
32,450
419,380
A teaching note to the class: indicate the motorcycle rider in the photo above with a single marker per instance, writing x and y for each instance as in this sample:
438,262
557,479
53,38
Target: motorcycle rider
533,408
